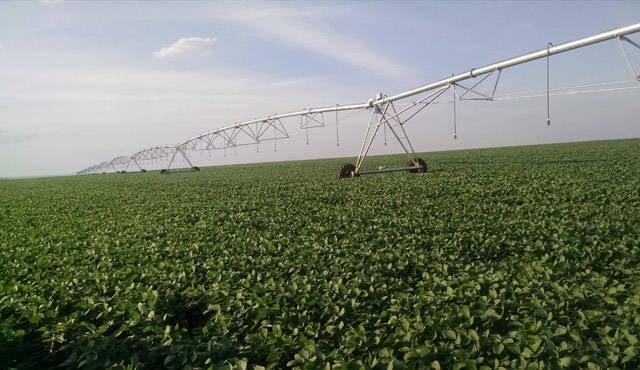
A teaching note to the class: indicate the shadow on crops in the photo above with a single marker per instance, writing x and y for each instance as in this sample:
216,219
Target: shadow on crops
27,351
186,312
22,345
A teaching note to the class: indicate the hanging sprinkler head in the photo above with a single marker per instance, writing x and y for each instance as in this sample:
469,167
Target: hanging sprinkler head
549,45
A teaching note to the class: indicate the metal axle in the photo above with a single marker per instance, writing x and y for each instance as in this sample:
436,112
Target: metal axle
384,170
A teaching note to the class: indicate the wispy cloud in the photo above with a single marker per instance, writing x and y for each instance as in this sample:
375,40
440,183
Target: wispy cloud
187,46
301,28
13,137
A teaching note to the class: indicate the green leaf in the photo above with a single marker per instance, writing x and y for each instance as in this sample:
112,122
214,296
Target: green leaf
513,348
631,338
565,362
450,334
473,335
168,360
631,350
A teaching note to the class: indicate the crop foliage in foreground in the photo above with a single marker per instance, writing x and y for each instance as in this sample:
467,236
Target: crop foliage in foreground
496,258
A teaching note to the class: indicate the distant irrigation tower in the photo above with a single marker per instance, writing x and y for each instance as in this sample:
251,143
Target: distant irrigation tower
385,113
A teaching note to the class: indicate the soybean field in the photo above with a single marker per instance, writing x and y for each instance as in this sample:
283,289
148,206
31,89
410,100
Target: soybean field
519,257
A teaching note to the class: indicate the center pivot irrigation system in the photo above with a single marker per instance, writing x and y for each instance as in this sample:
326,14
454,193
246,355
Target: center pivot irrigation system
385,113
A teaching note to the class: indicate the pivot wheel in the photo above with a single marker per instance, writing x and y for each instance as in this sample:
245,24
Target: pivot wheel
420,166
346,170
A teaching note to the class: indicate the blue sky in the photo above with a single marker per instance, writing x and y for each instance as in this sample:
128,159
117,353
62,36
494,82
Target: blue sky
83,82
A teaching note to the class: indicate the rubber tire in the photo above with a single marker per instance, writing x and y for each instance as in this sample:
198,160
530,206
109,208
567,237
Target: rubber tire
418,162
346,170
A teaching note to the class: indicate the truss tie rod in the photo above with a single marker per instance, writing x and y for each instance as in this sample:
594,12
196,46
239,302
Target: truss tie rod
515,61
451,80
304,112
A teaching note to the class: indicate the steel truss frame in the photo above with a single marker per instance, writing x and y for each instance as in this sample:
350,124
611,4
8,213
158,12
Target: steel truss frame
387,116
472,89
385,112
120,164
238,135
624,38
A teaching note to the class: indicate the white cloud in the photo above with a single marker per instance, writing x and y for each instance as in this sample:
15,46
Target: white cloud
299,28
187,46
